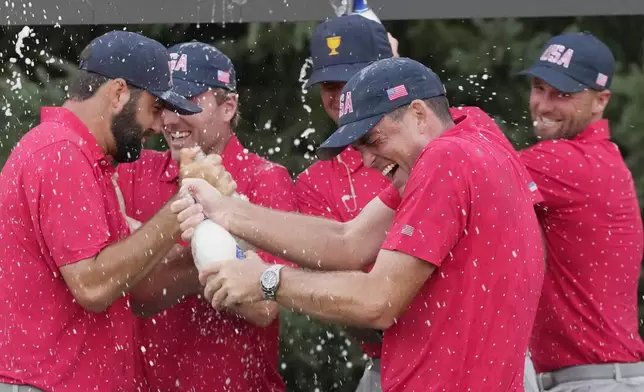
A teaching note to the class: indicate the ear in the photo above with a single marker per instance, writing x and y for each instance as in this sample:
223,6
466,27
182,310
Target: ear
229,107
118,94
601,101
420,112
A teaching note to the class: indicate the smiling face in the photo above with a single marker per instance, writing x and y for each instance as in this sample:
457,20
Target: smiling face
558,115
396,142
211,129
330,95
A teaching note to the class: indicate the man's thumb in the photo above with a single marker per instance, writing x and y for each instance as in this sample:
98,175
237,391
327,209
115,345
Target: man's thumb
196,186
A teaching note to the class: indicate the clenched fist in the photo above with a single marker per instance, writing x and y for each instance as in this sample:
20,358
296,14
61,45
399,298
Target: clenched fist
209,168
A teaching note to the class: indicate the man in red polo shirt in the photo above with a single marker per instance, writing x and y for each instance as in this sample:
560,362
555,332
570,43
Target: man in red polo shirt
66,261
586,330
190,346
341,187
455,291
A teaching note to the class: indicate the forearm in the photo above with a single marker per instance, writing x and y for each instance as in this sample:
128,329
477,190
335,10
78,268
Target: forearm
171,281
262,313
118,268
310,242
349,298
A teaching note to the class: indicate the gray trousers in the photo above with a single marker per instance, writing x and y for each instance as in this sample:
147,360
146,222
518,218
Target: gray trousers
17,388
370,381
614,377
529,376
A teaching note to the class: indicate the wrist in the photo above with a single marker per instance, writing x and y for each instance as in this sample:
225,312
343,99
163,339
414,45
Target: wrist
270,281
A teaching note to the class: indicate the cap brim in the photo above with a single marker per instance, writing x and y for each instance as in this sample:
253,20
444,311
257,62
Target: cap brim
334,73
555,78
177,102
187,88
347,135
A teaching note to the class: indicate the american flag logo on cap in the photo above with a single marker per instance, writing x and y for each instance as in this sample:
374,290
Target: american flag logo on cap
223,77
602,79
397,92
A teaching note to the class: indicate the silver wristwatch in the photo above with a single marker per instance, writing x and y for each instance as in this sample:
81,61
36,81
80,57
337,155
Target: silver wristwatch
270,281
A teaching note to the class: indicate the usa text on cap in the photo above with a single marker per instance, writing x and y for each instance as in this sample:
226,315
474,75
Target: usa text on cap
342,46
375,91
574,62
142,62
198,67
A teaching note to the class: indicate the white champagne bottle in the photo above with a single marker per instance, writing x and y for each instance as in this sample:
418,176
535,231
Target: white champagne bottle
211,243
361,8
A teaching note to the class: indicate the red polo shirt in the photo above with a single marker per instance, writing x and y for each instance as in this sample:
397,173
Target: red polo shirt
340,188
593,228
58,206
467,209
191,346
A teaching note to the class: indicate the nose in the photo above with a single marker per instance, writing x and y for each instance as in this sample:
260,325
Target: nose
157,125
169,118
543,102
368,158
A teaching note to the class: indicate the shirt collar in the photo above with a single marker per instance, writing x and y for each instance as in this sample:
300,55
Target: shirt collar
234,154
170,170
351,158
68,119
463,122
599,130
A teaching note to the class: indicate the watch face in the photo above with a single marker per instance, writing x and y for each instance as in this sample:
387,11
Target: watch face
269,279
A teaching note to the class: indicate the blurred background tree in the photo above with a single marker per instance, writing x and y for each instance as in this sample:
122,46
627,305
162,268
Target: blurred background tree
476,59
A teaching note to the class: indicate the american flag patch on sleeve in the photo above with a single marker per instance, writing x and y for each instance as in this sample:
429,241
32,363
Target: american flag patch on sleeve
532,186
397,92
407,230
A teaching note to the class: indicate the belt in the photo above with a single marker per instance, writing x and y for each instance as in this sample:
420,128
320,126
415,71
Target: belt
373,364
609,371
17,388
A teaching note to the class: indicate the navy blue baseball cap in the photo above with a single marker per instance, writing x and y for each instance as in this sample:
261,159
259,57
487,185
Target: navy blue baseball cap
375,91
574,62
342,46
141,61
198,67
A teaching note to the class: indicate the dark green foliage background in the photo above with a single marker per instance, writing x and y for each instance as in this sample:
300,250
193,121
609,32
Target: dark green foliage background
475,58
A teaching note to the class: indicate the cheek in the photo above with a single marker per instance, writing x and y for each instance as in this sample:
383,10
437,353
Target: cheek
330,96
197,123
533,102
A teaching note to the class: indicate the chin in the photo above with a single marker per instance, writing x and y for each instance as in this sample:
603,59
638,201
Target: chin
175,154
545,135
400,179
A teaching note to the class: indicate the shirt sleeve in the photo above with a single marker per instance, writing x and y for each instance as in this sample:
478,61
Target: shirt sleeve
310,200
390,196
67,204
273,189
543,166
435,206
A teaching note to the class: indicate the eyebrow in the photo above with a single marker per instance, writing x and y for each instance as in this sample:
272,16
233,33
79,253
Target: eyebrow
364,139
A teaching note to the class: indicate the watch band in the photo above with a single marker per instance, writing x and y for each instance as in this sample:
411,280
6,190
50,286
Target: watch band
270,281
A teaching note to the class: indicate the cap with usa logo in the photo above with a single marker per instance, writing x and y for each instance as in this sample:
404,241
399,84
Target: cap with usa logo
574,62
342,46
141,61
198,67
375,91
